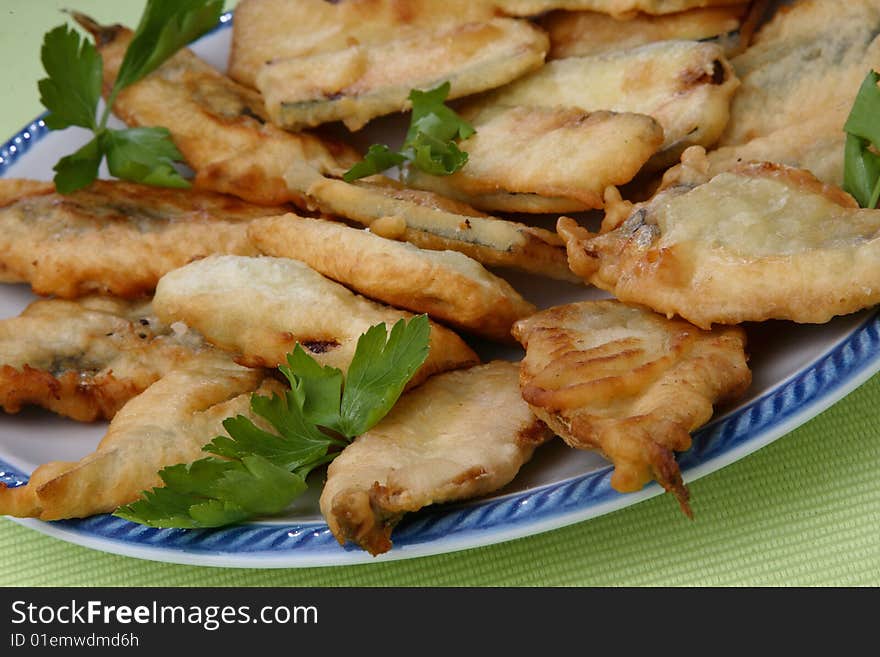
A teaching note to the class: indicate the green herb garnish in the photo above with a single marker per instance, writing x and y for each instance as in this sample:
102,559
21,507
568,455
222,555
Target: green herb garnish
862,163
263,472
73,88
430,141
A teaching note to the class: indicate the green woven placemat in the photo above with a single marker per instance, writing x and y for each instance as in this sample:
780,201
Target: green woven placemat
802,511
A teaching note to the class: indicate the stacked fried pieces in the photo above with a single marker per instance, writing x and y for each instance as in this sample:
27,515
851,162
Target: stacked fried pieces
708,135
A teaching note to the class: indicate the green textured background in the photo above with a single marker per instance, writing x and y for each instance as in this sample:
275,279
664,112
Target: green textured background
802,511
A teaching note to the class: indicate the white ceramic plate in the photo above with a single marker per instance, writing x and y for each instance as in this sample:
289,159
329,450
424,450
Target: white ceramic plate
798,372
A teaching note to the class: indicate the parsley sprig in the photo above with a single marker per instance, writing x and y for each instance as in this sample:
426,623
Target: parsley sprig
73,88
261,472
862,161
430,141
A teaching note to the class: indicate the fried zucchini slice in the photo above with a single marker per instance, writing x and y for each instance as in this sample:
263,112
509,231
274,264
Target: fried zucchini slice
461,435
799,81
585,33
220,127
114,237
280,29
84,359
361,82
433,222
261,307
544,159
629,383
168,423
447,285
761,242
685,85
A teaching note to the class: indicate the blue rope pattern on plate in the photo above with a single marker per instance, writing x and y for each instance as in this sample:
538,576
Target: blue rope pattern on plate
515,514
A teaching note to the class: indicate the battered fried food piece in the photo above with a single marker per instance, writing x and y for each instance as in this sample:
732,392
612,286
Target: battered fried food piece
446,285
220,126
760,242
86,358
461,435
360,82
168,423
261,307
12,190
685,85
629,383
114,237
612,7
564,158
433,222
799,81
584,33
281,29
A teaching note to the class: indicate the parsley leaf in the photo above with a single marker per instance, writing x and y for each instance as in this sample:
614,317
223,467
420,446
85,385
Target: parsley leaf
73,88
211,493
144,155
165,27
430,140
432,117
437,157
862,164
261,472
381,367
317,389
379,158
78,169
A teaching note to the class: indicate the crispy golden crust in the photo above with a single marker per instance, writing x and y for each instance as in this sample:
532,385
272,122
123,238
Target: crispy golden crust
282,29
168,423
583,33
433,222
220,127
360,82
447,285
685,85
629,383
261,307
461,435
86,358
761,242
561,154
115,237
13,190
620,8
98,397
799,80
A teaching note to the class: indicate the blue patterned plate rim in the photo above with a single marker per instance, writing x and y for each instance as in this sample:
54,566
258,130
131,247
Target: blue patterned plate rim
449,528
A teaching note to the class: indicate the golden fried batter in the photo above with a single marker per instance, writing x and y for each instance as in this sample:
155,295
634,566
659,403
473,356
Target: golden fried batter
685,85
267,30
220,127
114,237
447,285
168,423
628,383
760,242
461,435
583,33
86,358
564,158
261,307
799,81
361,82
433,222
613,7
